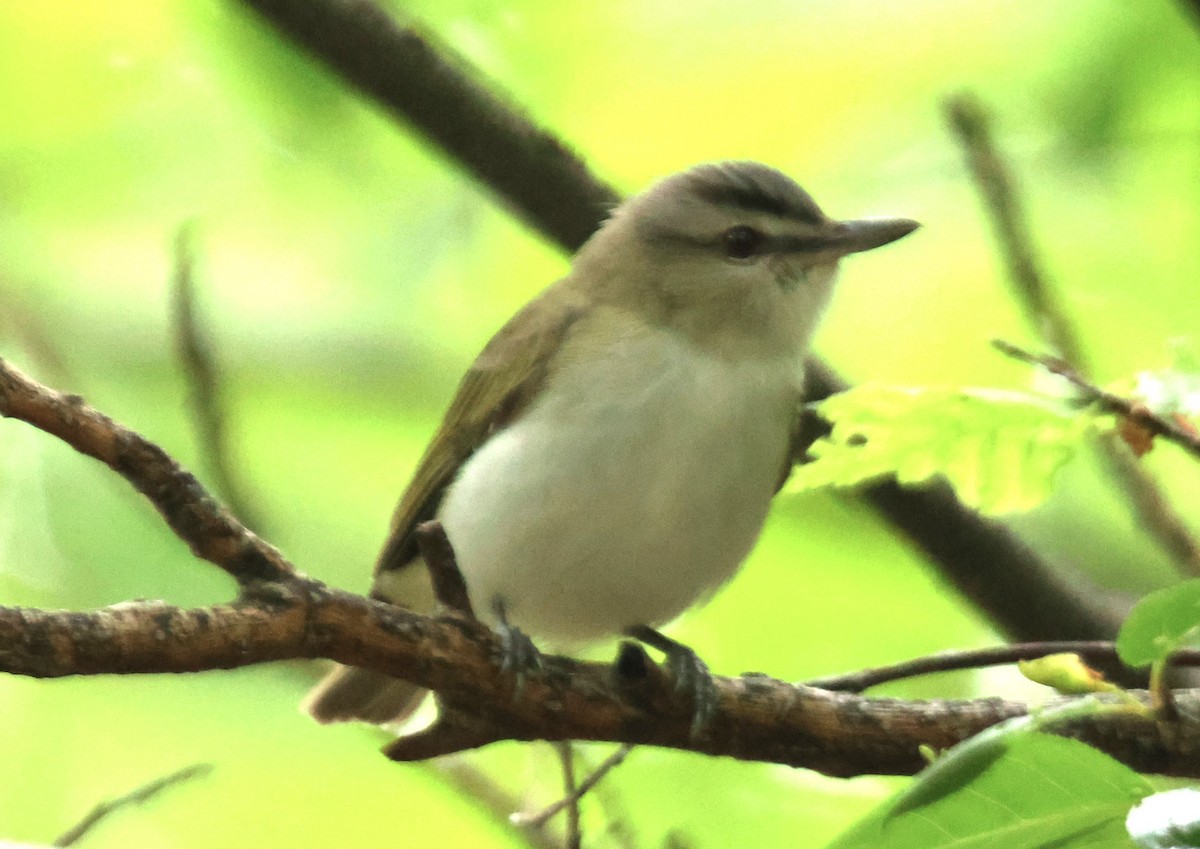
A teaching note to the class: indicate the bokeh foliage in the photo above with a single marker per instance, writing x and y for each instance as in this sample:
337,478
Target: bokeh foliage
348,276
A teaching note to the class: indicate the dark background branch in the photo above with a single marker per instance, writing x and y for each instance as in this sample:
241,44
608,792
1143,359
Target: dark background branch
430,90
1192,7
210,413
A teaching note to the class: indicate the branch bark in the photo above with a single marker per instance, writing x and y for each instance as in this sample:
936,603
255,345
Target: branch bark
281,614
211,532
759,719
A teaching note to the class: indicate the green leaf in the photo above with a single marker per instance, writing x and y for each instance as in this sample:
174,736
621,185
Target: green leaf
1160,623
1041,791
958,767
999,450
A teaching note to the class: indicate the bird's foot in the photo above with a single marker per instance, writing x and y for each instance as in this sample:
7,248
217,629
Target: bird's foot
519,655
690,673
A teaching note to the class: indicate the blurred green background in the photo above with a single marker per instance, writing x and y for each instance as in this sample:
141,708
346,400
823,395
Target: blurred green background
348,275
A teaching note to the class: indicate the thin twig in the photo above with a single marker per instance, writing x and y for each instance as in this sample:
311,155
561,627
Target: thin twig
136,797
1150,504
1145,497
1162,700
479,787
572,798
566,755
1003,203
209,415
1109,402
1093,651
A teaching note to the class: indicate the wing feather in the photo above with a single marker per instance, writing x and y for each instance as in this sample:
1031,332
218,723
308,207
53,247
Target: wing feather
499,385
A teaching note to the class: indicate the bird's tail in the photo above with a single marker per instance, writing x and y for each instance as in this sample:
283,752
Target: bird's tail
349,693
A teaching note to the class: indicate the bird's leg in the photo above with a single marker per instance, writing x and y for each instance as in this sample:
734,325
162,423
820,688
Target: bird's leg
520,655
690,673
449,586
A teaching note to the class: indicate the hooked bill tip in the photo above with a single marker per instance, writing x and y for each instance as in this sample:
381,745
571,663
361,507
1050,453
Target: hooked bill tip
867,234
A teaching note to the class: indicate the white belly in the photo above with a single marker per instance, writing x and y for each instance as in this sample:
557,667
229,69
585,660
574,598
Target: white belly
635,486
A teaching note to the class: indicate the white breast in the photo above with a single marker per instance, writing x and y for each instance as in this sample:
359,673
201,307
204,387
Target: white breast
633,487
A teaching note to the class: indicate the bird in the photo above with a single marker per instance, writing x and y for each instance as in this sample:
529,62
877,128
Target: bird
609,458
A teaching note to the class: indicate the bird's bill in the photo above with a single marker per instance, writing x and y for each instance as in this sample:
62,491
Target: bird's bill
851,237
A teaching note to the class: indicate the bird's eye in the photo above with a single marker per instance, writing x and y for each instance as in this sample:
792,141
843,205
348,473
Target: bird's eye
742,242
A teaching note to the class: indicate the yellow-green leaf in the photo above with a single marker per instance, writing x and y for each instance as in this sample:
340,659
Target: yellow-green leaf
999,450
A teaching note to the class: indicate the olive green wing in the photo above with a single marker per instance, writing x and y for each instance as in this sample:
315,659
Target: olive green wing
496,389
501,382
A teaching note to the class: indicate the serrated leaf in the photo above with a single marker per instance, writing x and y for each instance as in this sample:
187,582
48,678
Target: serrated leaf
1041,791
999,450
1160,623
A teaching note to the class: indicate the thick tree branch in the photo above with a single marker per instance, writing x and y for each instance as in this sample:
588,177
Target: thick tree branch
281,614
759,718
211,532
549,186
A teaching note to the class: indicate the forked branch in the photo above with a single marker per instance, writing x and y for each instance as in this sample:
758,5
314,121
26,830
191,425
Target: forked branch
282,614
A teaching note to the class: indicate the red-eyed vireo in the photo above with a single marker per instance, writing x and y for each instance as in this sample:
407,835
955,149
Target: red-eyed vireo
609,458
